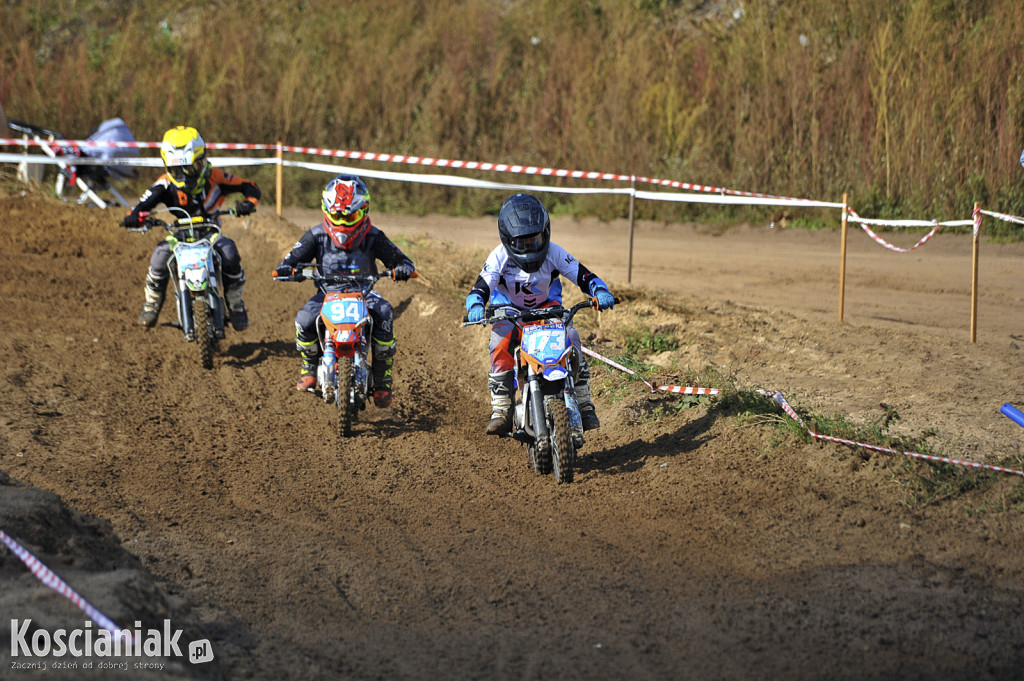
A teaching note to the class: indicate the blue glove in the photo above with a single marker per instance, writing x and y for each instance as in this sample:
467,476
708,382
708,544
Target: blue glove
283,270
403,272
475,313
605,300
244,208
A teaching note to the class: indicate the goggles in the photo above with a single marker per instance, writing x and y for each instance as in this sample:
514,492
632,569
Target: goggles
187,172
521,245
347,219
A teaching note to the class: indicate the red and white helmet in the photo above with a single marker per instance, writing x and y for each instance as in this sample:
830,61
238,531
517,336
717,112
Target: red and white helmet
346,206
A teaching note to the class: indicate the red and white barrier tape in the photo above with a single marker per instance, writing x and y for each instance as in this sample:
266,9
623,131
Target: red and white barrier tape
50,579
708,193
781,401
676,389
1004,217
750,197
891,247
934,224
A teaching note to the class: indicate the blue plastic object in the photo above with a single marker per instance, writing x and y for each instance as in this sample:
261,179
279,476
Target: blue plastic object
1013,413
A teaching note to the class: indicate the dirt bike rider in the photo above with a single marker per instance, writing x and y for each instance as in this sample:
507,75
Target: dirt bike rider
347,243
193,184
523,272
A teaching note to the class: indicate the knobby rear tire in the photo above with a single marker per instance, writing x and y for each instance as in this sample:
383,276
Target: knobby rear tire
343,398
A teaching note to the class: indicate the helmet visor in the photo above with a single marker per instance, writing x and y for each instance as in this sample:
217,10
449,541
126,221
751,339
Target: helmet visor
522,245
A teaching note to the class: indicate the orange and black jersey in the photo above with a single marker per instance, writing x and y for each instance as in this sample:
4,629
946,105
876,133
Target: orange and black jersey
219,185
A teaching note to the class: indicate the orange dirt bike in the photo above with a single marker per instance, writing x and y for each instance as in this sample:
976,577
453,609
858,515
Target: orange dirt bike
546,417
344,329
195,272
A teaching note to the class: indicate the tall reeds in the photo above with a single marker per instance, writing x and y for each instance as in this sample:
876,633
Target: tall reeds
914,107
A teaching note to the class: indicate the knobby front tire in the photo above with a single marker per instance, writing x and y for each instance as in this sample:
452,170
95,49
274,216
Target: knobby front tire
343,398
202,317
562,454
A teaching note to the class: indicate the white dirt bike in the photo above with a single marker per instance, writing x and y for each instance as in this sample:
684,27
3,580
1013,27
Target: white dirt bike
195,271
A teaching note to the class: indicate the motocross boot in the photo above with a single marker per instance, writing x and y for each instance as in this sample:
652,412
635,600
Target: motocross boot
236,308
307,375
155,290
500,384
588,415
310,352
383,363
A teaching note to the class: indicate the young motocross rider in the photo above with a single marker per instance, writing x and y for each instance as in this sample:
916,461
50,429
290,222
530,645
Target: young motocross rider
347,243
523,272
193,184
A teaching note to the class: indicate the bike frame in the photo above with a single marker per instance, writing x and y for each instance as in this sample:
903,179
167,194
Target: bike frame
545,365
196,268
345,328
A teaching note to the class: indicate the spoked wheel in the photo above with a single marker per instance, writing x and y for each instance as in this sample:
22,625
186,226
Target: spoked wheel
202,317
563,454
343,397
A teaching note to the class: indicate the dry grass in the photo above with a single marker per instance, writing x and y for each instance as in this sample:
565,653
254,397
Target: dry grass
915,107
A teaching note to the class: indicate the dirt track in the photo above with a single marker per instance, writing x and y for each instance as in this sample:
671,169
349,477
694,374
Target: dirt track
690,546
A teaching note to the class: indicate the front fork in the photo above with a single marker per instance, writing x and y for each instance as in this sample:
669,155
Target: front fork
327,372
186,319
533,399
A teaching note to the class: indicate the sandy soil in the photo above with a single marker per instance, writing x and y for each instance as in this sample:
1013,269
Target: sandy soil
697,544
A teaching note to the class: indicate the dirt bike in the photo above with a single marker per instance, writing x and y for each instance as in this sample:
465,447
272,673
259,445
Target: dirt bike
344,329
195,272
97,170
546,417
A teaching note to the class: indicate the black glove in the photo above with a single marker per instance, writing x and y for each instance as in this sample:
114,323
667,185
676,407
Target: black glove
403,272
132,220
244,208
283,271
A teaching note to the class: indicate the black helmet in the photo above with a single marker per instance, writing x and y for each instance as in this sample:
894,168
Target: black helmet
525,231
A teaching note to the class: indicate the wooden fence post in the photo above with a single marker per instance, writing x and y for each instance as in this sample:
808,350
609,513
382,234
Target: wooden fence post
280,175
974,273
632,203
842,258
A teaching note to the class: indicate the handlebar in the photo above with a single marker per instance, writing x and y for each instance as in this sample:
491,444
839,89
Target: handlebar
311,272
514,314
29,129
186,221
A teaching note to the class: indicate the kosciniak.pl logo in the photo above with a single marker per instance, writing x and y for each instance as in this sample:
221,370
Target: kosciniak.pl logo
90,641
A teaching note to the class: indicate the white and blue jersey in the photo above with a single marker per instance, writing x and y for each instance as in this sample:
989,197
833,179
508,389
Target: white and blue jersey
503,282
